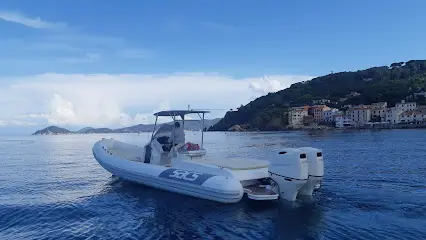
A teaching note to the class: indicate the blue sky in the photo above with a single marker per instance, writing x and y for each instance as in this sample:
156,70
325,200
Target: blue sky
240,38
237,40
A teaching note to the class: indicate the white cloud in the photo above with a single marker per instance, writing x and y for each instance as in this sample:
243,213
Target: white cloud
127,99
19,18
267,85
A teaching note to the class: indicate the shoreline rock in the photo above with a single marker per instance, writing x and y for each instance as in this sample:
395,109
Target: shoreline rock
236,128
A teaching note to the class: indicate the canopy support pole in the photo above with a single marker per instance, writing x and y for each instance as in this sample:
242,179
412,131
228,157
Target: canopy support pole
202,132
153,130
173,133
183,121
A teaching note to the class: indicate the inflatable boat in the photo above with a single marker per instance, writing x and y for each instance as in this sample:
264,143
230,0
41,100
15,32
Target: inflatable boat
187,169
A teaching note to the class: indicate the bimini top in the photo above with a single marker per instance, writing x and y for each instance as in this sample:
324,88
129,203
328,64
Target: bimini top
177,113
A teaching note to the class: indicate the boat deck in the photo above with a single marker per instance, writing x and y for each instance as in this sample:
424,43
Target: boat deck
236,163
257,192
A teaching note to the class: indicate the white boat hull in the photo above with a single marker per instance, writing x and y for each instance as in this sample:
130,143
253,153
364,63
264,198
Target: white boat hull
168,163
202,185
221,180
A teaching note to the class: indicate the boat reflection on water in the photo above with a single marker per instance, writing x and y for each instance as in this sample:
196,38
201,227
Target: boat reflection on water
158,214
289,220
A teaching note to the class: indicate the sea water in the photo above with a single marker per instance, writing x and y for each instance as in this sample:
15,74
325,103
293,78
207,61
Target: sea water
51,187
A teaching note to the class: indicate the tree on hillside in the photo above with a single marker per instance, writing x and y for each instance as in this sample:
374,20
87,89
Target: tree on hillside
389,84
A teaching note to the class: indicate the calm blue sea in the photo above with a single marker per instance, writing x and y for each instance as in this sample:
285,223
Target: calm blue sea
375,188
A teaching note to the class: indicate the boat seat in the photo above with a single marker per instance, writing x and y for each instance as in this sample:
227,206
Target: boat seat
237,163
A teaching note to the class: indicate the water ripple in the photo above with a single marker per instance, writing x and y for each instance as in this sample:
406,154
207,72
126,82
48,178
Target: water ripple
52,188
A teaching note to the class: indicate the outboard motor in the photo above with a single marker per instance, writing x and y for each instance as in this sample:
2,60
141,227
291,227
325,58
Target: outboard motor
289,169
316,170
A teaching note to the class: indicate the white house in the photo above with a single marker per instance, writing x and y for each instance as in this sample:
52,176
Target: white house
393,115
353,94
412,116
379,111
318,112
343,121
321,101
296,114
360,115
329,114
406,106
422,93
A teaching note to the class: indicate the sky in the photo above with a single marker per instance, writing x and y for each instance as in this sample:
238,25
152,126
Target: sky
114,63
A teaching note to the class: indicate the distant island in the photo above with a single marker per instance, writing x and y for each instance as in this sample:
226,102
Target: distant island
383,89
190,125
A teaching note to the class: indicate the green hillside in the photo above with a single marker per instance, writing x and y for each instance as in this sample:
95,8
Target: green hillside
387,83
